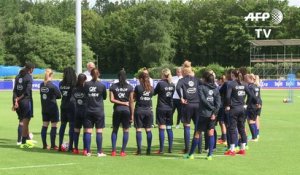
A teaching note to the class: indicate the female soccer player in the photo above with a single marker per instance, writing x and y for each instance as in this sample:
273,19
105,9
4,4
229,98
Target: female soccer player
187,89
252,109
221,114
95,94
22,102
176,99
235,100
164,112
49,93
78,95
121,94
257,83
67,107
143,115
210,102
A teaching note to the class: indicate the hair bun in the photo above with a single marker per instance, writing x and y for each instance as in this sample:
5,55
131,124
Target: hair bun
187,64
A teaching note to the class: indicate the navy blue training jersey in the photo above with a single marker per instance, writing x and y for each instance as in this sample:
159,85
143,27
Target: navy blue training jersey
122,94
78,94
23,86
95,94
49,93
236,94
165,91
210,100
66,92
189,86
143,98
251,103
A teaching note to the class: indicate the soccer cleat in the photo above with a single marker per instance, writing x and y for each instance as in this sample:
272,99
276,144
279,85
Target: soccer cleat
123,154
184,151
209,158
254,140
19,143
242,152
138,153
75,151
159,152
187,156
229,153
113,153
46,147
88,154
101,154
237,149
26,145
148,152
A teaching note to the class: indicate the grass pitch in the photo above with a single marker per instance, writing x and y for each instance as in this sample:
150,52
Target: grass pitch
275,153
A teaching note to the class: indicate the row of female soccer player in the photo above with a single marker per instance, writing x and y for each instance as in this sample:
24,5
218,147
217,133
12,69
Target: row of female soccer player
82,105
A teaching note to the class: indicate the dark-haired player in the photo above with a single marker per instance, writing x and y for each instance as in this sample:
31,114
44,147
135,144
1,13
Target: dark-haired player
121,94
49,93
210,102
78,95
235,101
143,115
95,94
164,110
22,103
67,106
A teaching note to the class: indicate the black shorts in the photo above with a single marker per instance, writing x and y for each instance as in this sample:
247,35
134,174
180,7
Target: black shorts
67,115
164,117
205,124
25,109
121,116
79,119
252,114
143,118
51,116
94,119
190,112
221,115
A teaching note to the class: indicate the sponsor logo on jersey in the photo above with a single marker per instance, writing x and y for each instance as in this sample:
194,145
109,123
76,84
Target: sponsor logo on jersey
79,95
191,83
20,80
44,90
191,90
19,87
210,92
92,89
241,93
44,96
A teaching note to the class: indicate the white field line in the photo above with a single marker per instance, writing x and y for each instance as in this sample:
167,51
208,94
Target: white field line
37,166
174,158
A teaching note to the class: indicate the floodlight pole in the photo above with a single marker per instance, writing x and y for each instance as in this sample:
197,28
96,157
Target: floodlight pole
78,38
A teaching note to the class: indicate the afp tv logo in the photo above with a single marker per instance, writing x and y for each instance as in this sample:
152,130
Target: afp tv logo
276,17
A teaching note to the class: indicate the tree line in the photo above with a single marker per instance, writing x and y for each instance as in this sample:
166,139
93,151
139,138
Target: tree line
131,33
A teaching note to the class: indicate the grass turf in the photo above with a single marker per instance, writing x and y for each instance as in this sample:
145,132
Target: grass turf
275,153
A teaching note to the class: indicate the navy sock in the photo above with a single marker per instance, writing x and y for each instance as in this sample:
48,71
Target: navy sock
139,140
24,140
114,135
194,145
62,133
251,127
216,138
125,141
211,145
170,139
206,140
87,140
99,142
44,135
76,139
84,142
228,139
237,138
149,140
186,137
200,144
161,139
20,127
71,135
257,130
53,136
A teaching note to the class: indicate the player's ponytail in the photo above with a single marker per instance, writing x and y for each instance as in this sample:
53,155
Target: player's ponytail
122,78
48,75
187,68
95,73
238,75
145,81
166,74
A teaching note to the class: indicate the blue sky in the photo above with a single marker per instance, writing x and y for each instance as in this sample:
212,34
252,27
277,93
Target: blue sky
292,2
